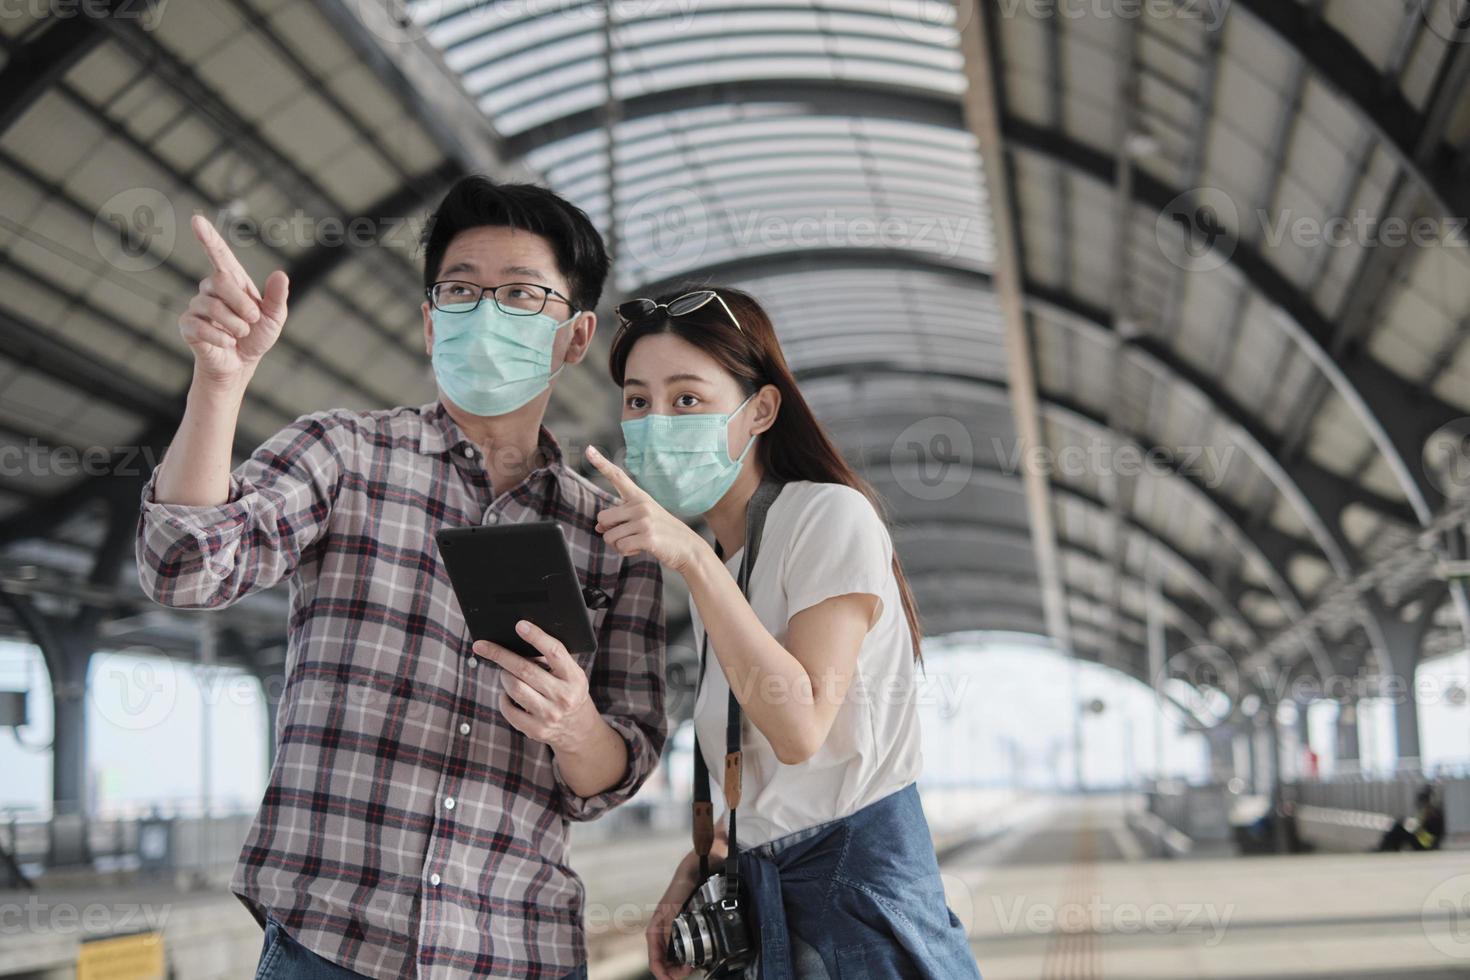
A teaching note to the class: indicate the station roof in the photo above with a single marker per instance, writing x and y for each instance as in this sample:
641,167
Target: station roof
1227,406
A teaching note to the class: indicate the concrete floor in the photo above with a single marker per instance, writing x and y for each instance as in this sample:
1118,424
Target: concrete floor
1074,893
1068,891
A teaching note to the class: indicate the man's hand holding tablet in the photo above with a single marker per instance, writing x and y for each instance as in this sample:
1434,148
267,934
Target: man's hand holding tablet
547,699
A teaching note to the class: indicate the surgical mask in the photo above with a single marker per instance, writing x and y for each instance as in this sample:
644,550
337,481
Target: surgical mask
683,461
490,362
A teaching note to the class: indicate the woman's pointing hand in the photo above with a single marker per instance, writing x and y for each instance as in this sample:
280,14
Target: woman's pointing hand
637,523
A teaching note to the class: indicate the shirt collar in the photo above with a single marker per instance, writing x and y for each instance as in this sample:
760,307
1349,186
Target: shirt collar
440,434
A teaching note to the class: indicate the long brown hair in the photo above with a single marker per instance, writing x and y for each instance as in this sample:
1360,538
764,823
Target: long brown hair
796,447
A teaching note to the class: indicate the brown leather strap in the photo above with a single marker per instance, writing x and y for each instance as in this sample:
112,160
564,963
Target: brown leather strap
704,827
732,779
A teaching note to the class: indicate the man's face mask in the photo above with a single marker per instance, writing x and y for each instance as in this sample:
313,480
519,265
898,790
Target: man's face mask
490,362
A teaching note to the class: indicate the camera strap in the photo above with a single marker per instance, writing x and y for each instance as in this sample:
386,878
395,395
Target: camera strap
704,824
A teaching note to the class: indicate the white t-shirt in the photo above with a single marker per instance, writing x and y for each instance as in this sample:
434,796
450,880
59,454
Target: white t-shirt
821,540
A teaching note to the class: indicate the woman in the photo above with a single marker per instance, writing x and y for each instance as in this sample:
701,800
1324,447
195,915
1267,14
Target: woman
821,656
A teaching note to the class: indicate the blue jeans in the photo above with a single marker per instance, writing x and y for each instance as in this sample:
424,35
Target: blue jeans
283,958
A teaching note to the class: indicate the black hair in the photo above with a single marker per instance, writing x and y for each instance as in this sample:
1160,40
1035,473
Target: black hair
477,201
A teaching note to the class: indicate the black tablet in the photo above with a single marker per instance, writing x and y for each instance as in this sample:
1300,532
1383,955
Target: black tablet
503,573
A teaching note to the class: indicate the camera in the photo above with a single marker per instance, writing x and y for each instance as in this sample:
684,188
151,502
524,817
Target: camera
711,932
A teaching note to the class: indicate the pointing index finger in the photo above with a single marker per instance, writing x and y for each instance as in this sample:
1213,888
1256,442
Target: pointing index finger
621,481
220,257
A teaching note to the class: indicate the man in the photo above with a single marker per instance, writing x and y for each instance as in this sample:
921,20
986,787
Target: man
415,821
1423,832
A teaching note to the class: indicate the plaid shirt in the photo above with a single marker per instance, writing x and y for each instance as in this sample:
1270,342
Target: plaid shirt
407,828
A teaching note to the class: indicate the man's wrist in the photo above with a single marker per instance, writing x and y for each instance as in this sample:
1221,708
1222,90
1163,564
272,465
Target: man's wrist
585,728
216,393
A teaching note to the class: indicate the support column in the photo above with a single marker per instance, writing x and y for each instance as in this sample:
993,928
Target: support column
1346,752
1241,750
1405,643
1274,740
1222,754
1303,731
69,746
1257,757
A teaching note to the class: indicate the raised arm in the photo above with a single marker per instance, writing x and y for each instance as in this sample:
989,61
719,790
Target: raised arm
229,325
207,536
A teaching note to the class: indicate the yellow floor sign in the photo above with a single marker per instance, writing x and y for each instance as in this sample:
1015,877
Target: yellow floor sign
135,957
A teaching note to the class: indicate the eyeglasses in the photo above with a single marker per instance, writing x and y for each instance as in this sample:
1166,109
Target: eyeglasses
515,298
642,308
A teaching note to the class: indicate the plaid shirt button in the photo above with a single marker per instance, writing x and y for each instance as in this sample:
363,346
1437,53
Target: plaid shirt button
464,728
449,803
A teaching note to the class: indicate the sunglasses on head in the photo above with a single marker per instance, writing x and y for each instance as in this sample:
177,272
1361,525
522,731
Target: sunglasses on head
642,308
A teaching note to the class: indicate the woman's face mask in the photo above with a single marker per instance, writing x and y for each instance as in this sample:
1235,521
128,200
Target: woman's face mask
490,362
683,461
